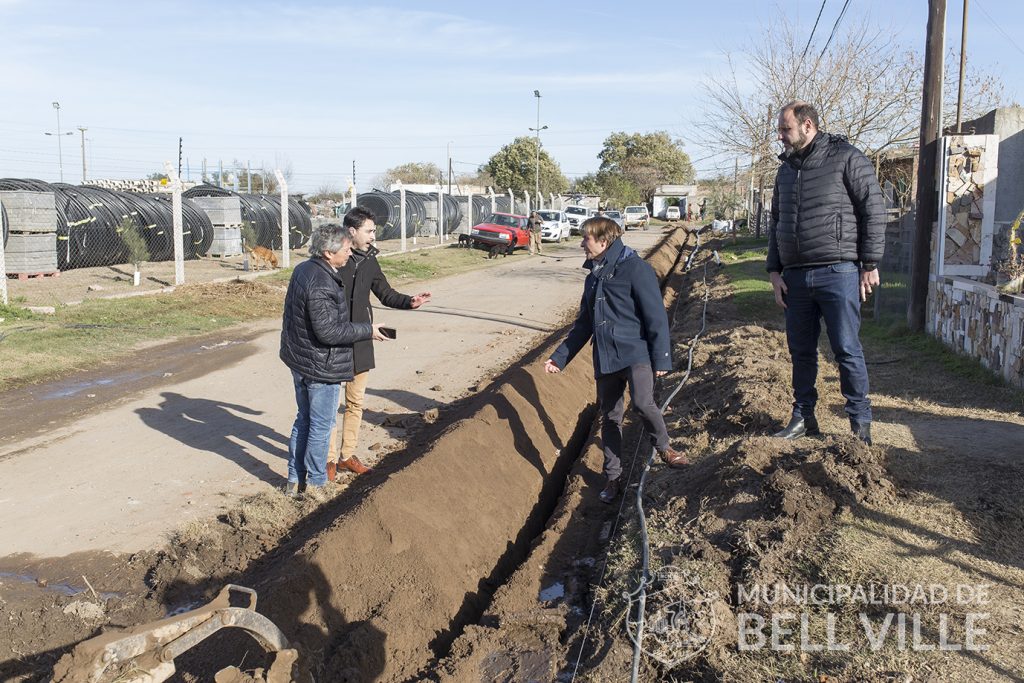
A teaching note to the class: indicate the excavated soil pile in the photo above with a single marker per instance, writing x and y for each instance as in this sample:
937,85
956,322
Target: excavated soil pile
379,582
750,508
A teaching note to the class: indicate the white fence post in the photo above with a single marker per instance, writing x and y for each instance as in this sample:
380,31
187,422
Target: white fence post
469,209
440,214
285,244
401,212
179,230
351,194
552,197
511,201
3,266
526,194
494,200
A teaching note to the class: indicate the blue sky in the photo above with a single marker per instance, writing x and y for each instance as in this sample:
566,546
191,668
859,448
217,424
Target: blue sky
318,85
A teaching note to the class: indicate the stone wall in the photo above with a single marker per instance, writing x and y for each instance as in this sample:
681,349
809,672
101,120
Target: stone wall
977,320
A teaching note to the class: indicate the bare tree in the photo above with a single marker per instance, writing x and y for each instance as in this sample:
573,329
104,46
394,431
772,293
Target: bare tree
866,86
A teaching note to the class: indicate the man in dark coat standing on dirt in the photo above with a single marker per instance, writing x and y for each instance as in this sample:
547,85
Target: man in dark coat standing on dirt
362,275
316,344
535,224
623,311
825,240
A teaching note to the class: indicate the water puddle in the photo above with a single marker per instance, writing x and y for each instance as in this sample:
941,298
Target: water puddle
553,592
62,588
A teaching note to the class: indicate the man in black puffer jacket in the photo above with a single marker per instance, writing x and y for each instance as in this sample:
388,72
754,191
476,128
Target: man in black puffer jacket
826,238
316,343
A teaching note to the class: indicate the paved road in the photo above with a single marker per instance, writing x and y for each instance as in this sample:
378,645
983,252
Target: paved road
125,474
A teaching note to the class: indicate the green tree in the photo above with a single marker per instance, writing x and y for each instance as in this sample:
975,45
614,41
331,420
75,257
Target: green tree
722,198
587,184
646,160
412,173
618,190
515,166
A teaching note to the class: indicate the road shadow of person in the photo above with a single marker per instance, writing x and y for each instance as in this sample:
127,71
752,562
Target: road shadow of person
211,426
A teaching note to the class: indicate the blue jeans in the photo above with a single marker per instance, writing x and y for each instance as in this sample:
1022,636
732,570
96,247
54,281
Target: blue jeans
832,293
311,433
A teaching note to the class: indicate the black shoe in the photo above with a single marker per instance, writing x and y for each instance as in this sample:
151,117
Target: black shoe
799,426
610,492
861,430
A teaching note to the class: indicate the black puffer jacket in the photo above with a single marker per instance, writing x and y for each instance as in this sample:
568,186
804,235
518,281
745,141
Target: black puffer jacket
360,276
316,335
827,207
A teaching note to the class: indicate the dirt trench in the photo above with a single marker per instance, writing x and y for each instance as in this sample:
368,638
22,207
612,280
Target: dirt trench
384,590
380,583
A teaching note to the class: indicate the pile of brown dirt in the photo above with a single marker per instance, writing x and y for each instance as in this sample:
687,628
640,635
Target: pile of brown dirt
756,513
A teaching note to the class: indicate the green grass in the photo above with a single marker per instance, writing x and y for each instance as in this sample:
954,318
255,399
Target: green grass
744,266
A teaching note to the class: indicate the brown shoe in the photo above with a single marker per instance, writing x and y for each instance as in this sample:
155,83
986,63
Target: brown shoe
673,458
353,465
332,471
610,492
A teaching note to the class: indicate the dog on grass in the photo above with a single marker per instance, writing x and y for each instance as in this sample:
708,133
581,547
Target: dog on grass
497,250
262,256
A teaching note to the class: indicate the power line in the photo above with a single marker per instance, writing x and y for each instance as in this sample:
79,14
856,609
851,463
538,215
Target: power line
815,28
999,28
842,12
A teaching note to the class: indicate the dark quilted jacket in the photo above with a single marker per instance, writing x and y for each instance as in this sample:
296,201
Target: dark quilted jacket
622,310
360,276
316,335
827,207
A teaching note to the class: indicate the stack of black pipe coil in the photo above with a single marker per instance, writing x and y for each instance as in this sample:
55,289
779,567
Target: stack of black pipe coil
263,212
89,218
386,210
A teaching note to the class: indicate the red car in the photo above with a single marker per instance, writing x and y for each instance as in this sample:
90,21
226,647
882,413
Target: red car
501,230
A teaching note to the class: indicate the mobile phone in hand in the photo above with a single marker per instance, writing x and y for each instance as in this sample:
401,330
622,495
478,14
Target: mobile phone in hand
389,332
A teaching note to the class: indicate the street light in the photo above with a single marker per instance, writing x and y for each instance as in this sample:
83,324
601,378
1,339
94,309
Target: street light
60,153
537,130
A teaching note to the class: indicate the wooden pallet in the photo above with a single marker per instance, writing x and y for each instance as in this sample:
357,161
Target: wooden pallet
26,276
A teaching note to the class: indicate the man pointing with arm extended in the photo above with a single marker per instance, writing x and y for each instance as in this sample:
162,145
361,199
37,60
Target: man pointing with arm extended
362,275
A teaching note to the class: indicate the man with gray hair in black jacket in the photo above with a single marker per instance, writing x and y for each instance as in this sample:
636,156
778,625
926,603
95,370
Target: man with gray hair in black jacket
826,237
316,344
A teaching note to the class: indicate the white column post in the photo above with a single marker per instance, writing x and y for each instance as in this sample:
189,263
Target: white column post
469,210
351,194
552,197
179,229
526,193
494,200
440,213
511,201
3,267
285,244
401,212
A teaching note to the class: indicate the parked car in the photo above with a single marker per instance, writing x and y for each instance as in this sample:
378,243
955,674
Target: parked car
576,215
556,226
502,230
616,216
636,216
672,213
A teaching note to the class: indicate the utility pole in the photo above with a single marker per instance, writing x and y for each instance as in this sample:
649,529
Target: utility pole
963,67
760,178
354,173
179,157
537,130
83,129
927,190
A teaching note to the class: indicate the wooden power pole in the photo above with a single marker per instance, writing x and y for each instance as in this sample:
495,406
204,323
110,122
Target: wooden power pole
927,188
